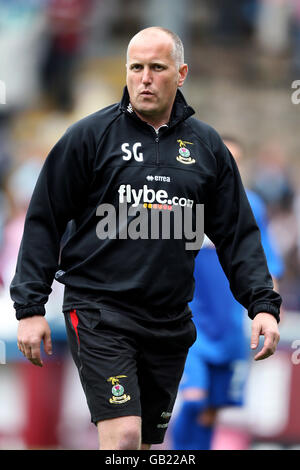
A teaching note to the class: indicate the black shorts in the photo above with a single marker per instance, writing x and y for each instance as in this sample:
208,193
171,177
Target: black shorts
127,368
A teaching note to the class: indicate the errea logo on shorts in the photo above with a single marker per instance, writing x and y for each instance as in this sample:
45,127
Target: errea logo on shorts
133,151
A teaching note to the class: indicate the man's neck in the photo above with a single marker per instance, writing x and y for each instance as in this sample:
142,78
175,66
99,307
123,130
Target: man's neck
156,123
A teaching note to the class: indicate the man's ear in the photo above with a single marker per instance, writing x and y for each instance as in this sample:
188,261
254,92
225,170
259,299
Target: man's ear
183,71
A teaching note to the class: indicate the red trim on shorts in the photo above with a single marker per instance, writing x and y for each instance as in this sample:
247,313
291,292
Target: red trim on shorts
74,321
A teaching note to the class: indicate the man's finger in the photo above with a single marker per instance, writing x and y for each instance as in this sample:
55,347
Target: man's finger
36,354
267,350
263,354
36,362
27,350
255,336
21,347
276,339
48,344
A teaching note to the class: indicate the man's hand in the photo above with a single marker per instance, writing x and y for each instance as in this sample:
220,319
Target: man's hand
31,332
264,324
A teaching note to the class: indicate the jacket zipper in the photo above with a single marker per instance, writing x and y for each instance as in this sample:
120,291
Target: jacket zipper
157,149
157,142
156,137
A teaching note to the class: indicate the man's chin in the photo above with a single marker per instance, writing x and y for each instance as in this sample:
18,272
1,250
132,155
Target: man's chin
146,110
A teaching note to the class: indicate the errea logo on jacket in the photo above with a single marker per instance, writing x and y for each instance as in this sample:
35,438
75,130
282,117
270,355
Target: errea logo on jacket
137,156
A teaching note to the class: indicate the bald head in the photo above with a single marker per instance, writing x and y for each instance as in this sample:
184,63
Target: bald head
154,73
157,32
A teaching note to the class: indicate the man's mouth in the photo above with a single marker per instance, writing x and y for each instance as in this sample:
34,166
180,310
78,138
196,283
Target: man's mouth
146,93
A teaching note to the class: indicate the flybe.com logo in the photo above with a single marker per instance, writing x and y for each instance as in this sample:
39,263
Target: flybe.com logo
147,195
2,92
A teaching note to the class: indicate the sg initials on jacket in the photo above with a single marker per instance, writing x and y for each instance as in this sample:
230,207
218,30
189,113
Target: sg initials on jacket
132,151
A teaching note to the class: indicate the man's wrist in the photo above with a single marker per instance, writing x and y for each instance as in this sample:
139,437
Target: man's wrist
265,308
266,315
29,311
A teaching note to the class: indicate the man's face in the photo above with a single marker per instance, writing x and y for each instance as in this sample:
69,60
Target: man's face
153,76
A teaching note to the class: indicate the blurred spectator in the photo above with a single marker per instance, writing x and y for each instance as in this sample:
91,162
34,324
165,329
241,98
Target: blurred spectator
19,187
272,179
5,165
274,183
273,25
235,19
296,38
157,13
21,26
65,35
5,153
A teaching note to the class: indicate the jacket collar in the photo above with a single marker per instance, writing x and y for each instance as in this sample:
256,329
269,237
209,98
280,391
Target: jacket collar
180,111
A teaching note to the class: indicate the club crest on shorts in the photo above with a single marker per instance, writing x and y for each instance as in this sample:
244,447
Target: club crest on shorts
118,390
184,153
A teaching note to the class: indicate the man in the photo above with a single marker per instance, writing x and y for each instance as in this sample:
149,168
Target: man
217,364
126,298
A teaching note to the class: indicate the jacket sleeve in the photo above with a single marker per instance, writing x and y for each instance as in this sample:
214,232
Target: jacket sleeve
230,224
58,196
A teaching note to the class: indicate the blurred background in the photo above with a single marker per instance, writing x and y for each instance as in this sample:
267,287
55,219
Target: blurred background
63,59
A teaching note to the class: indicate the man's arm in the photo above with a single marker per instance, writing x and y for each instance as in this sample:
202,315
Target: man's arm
58,197
230,224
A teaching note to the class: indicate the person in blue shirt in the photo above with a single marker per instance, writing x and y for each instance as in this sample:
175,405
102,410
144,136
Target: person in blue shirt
217,364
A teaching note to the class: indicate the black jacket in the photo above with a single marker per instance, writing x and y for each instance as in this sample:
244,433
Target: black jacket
102,159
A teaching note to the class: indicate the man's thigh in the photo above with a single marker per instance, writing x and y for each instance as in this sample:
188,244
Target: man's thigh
107,364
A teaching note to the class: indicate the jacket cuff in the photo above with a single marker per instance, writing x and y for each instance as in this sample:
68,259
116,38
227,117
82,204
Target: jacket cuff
267,308
25,312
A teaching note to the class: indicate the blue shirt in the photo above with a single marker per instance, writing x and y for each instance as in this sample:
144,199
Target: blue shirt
218,317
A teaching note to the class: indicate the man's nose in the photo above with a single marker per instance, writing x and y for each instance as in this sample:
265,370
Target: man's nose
147,76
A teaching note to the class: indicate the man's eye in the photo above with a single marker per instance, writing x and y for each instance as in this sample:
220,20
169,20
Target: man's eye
158,67
136,67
